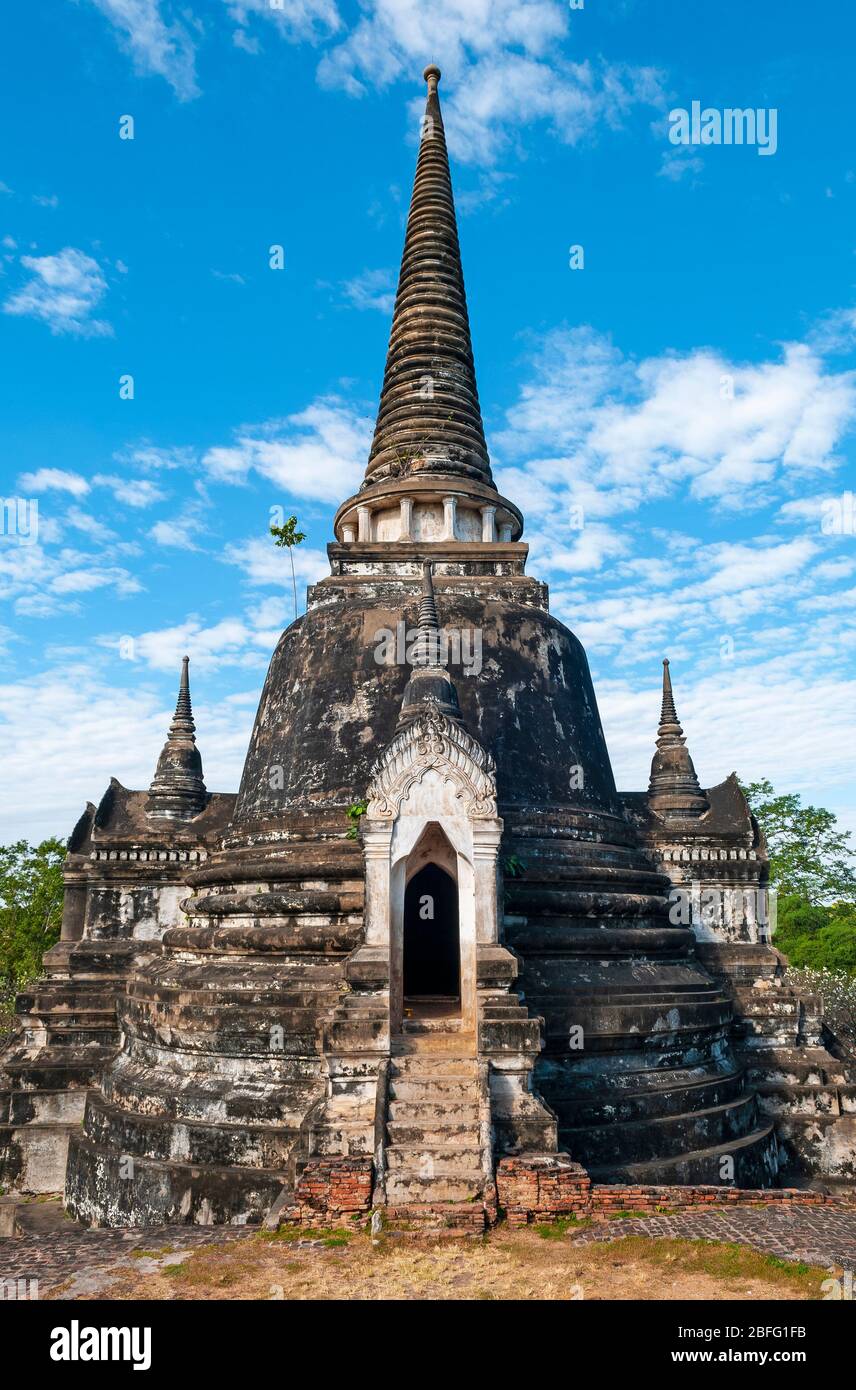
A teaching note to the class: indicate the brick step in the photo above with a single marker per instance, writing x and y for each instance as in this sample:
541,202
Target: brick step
444,1218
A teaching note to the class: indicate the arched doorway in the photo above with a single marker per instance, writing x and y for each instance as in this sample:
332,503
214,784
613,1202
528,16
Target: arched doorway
432,946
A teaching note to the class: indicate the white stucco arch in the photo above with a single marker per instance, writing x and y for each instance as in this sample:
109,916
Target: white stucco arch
433,773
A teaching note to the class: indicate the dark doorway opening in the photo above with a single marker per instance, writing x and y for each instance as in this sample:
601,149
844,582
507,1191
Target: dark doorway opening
432,949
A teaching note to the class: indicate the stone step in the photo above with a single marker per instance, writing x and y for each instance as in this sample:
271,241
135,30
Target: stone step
431,1135
135,1086
422,1064
445,1160
793,1065
32,1156
618,1104
195,1142
51,1067
405,1188
436,1044
166,1193
642,1140
435,1112
754,1159
47,1107
798,1100
433,1089
70,1035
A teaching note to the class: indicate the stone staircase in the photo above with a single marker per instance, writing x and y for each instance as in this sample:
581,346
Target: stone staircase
809,1094
438,1123
66,1034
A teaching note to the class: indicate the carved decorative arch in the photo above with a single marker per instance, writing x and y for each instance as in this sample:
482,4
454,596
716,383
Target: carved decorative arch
433,741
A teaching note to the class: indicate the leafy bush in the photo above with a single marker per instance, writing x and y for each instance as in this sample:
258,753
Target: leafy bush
30,914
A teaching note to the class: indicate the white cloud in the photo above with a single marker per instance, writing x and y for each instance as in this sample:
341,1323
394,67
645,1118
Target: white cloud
503,66
177,534
374,289
726,430
676,163
41,584
157,41
262,562
54,479
318,453
134,492
74,719
294,19
63,292
153,459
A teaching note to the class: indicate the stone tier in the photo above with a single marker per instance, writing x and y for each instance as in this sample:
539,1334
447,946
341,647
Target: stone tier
207,1109
637,1063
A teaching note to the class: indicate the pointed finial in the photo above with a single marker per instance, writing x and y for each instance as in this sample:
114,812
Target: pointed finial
668,713
674,789
178,791
430,684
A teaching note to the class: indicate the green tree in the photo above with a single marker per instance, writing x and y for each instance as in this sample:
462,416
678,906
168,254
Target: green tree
810,857
289,536
30,908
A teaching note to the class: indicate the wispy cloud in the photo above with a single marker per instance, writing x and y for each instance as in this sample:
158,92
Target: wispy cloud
373,289
157,40
63,292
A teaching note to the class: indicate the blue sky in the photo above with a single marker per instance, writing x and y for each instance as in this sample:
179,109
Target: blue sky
690,392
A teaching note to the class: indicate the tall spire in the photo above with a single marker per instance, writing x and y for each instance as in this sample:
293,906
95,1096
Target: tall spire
177,791
674,791
429,419
430,684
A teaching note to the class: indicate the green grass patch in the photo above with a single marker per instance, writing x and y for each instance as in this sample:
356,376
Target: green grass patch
556,1230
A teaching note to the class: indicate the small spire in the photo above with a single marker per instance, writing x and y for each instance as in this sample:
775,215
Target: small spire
178,791
674,790
427,648
430,684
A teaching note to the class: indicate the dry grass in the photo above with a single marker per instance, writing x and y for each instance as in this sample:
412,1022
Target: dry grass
504,1265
